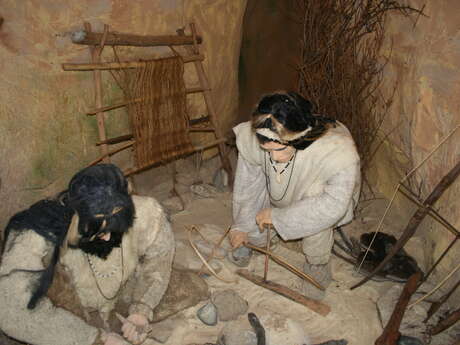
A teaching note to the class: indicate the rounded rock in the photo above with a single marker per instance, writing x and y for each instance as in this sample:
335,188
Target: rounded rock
208,314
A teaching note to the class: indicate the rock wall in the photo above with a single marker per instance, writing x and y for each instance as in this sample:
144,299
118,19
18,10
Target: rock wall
45,136
269,51
424,68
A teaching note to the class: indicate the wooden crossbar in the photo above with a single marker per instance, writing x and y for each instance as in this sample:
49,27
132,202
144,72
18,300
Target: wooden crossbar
118,65
120,39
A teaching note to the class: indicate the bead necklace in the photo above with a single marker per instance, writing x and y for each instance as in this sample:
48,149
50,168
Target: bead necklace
97,274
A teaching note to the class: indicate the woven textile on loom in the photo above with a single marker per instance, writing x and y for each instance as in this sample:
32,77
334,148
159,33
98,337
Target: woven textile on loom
158,112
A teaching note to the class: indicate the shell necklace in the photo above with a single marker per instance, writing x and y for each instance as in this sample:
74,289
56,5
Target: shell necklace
279,172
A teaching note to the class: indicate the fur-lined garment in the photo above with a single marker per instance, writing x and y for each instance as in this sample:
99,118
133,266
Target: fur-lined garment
146,253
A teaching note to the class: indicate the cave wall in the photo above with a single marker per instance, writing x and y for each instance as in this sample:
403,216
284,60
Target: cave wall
269,51
45,136
423,71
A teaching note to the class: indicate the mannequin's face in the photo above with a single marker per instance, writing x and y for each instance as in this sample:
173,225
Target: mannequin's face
280,153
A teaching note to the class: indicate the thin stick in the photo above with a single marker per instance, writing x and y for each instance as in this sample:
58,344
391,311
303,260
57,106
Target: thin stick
283,263
392,199
450,320
208,266
437,287
436,305
430,154
379,225
432,212
267,256
216,246
425,278
416,219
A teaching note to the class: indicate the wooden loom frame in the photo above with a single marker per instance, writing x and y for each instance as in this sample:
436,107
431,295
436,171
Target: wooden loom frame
97,42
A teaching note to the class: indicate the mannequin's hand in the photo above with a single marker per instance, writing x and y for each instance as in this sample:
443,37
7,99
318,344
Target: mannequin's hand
134,328
238,238
263,218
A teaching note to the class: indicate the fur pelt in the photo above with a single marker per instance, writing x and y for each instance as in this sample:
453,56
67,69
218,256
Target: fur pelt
99,196
400,266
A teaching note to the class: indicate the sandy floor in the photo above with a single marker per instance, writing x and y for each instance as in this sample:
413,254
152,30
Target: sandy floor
354,315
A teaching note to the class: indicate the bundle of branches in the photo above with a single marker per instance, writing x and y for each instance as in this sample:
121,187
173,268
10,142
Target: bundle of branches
340,66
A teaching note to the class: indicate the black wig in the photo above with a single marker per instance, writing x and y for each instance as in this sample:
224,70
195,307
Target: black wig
96,194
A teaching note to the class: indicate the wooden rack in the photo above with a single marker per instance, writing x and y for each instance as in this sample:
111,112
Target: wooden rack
97,42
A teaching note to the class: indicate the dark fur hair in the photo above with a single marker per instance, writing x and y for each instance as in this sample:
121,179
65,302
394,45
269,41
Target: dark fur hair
400,266
94,193
287,113
49,218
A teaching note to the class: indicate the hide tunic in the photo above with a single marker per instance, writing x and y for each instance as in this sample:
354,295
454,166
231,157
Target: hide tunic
146,254
318,191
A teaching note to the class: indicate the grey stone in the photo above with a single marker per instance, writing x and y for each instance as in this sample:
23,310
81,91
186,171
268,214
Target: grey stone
208,314
237,333
204,190
229,305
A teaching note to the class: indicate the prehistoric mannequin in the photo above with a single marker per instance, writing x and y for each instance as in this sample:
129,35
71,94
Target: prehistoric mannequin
298,172
70,262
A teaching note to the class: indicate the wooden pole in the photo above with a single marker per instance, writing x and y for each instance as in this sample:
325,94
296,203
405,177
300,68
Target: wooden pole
95,66
316,306
436,305
119,39
391,332
96,58
416,219
116,140
112,152
209,103
450,320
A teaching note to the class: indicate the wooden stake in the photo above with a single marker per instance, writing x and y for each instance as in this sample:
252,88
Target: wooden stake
291,268
267,255
316,306
450,320
119,39
391,332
